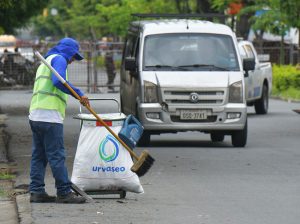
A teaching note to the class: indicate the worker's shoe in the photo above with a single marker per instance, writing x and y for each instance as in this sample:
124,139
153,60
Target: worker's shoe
41,198
70,198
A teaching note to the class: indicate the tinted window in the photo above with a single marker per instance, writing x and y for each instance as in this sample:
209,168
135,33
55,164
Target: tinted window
131,45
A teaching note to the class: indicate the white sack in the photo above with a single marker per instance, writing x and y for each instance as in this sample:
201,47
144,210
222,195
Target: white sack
102,163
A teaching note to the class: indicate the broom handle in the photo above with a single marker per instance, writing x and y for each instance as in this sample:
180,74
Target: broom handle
87,106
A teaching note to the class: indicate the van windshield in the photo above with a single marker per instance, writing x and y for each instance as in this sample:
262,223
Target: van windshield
192,52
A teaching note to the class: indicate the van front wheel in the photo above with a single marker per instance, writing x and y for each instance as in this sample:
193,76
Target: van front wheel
239,138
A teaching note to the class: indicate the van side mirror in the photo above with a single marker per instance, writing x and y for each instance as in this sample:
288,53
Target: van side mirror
130,64
249,64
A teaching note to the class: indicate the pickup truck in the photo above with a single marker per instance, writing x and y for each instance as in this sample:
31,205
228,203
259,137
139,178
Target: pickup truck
258,83
191,75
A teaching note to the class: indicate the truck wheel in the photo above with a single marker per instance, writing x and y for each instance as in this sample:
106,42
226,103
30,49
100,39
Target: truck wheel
262,105
239,138
145,139
216,137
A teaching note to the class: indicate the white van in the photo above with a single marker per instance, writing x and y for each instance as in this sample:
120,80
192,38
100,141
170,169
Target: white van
185,75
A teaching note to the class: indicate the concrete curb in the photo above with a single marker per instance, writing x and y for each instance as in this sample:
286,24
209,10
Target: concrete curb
7,211
24,209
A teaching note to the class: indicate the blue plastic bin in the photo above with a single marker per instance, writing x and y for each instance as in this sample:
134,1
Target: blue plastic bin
131,131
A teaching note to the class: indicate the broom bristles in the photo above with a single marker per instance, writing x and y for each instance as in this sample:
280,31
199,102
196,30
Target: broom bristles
143,164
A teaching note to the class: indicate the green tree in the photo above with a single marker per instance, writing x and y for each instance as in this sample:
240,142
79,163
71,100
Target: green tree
242,22
275,16
15,14
92,19
117,14
272,18
291,9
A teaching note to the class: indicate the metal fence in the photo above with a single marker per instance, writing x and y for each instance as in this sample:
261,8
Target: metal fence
91,74
17,68
94,72
291,53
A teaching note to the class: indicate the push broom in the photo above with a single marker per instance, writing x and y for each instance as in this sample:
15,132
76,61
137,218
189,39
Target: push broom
143,162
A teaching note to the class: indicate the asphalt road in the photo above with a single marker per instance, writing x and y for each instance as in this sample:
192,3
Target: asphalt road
193,180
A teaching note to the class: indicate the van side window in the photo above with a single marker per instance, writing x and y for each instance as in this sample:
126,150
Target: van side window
131,46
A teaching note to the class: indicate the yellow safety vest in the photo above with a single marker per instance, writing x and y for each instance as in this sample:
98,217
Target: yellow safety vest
45,94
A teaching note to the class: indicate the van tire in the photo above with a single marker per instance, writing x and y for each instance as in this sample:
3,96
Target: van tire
145,139
239,138
216,137
262,105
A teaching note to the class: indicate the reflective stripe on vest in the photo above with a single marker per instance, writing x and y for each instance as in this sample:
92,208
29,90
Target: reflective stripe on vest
45,94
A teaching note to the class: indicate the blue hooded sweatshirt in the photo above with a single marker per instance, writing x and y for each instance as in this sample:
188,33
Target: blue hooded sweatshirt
66,49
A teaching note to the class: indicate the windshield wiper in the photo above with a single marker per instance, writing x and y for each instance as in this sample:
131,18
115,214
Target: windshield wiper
205,65
167,66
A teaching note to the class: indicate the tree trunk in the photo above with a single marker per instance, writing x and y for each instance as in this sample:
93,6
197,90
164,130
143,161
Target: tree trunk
298,50
282,50
93,34
259,40
178,6
243,26
203,6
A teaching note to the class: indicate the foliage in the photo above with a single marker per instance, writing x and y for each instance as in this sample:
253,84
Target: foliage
286,76
15,14
5,176
117,14
286,81
291,9
221,4
92,19
271,17
73,18
1,30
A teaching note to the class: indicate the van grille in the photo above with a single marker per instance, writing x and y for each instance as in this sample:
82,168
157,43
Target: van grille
212,97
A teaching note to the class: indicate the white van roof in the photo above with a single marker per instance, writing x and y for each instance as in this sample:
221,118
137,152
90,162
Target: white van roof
180,26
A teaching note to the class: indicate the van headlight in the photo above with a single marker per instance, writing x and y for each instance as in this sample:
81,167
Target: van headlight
236,92
150,92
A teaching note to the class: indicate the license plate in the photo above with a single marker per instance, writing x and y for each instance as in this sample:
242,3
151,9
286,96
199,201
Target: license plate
193,114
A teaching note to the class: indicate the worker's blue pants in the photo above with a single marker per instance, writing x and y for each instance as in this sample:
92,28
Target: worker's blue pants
48,146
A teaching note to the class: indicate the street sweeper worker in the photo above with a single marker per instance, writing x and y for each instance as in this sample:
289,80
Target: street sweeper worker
46,115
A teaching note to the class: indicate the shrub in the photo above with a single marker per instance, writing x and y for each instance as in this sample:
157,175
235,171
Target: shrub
285,77
286,81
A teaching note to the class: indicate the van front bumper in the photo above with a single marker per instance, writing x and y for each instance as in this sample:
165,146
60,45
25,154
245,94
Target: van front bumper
156,118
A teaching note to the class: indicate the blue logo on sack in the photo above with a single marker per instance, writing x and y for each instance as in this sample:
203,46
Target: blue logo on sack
111,156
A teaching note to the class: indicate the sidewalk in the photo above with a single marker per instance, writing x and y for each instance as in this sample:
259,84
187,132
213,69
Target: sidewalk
8,213
15,104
